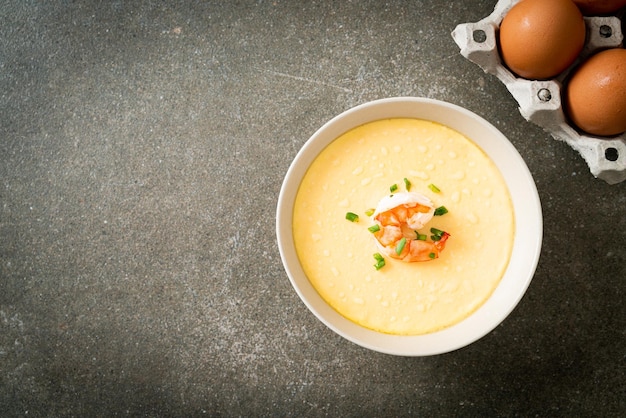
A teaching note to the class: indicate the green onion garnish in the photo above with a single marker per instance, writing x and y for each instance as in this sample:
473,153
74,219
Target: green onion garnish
352,217
370,212
434,188
393,188
441,210
432,256
374,228
420,237
407,184
436,234
436,231
400,246
380,261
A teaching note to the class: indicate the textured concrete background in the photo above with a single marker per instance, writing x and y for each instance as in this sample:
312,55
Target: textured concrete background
142,149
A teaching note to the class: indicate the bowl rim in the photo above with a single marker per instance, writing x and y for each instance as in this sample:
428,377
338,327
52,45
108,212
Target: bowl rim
526,245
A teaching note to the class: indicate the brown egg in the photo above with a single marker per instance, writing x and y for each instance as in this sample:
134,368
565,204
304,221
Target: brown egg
595,95
599,7
541,38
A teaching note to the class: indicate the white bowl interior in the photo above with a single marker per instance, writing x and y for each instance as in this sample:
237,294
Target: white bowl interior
526,246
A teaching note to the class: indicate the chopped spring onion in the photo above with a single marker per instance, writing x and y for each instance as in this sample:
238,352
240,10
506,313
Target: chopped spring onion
352,217
400,245
407,184
393,188
434,188
374,228
437,234
370,212
436,231
380,261
441,210
420,237
432,256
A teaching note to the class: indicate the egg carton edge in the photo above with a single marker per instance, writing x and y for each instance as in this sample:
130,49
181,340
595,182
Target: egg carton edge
540,100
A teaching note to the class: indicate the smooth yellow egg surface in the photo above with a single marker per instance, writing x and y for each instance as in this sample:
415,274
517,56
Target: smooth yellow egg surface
352,174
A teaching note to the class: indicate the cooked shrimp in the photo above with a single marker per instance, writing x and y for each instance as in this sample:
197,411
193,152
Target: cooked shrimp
399,216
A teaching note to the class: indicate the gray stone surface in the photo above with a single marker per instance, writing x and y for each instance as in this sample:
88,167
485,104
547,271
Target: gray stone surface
142,149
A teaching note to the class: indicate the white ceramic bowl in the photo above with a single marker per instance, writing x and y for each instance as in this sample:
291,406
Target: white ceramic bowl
526,246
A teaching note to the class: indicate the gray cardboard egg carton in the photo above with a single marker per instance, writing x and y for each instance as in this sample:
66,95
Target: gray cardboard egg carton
540,101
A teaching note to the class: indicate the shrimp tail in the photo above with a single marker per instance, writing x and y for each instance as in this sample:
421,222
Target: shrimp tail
441,244
425,250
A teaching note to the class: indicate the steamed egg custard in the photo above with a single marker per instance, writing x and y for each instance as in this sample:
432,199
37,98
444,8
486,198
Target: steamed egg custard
380,159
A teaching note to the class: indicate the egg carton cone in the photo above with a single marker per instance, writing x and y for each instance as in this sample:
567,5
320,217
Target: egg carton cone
540,100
